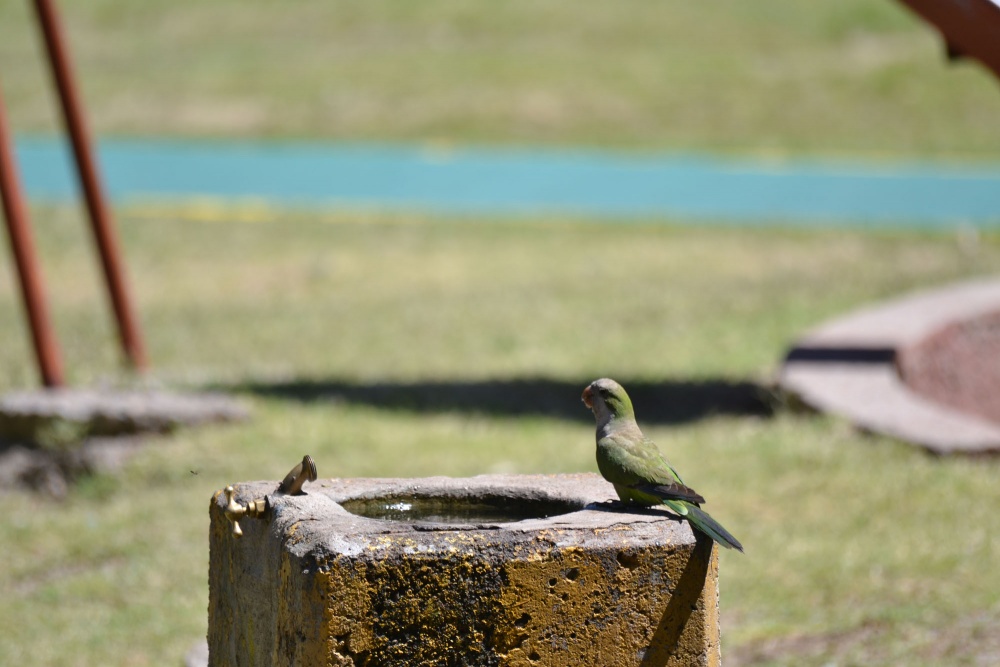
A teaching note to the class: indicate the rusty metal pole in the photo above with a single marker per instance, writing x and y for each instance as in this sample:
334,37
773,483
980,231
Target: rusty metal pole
101,221
23,246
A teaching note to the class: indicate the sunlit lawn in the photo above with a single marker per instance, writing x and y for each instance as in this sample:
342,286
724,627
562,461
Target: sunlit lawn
858,549
854,77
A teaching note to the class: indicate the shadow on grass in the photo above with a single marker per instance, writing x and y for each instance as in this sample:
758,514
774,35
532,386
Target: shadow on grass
667,402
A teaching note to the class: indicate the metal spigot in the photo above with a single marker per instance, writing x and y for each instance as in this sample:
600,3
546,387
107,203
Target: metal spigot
235,511
290,486
297,476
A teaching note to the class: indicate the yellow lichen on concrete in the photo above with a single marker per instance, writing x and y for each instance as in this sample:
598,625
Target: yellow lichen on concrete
346,608
411,608
555,607
572,607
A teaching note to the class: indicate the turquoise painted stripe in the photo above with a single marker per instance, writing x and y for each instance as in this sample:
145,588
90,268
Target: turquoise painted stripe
491,182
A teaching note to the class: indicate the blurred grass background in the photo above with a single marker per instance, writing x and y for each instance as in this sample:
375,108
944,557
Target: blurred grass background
854,76
860,550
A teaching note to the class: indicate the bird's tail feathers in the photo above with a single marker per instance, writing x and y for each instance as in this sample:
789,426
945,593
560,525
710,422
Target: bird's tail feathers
704,522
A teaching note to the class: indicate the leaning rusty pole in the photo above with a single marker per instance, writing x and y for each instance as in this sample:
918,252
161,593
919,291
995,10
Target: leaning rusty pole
101,221
29,276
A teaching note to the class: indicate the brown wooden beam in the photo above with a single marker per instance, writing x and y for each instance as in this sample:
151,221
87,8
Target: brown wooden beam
970,28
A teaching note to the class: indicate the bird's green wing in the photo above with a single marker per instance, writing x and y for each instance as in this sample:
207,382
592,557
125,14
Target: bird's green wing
639,465
665,492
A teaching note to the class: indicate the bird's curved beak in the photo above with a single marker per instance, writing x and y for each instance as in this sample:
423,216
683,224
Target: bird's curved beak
588,397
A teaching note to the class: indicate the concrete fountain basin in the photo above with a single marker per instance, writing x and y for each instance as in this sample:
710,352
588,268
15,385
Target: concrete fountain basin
490,570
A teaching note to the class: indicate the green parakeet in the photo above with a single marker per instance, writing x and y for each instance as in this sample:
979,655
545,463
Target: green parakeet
633,464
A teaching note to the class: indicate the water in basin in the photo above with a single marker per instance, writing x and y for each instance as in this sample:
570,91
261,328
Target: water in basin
456,510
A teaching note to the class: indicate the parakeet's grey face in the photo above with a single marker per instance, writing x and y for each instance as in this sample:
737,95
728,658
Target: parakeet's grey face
592,399
606,397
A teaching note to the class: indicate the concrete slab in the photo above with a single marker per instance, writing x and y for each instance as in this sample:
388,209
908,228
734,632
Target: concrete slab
849,367
905,321
873,398
51,437
78,413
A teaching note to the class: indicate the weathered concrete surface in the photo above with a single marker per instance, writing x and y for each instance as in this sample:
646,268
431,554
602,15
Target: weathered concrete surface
907,320
51,470
850,367
875,399
958,366
39,415
51,437
311,584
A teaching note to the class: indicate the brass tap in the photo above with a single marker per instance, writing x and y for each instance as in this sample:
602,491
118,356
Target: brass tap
291,486
235,511
297,476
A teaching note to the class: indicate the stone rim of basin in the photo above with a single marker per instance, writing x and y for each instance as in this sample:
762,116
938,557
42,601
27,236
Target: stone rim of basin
590,501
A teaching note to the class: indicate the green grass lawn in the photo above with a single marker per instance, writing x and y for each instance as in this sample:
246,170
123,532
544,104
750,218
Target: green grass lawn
861,77
859,550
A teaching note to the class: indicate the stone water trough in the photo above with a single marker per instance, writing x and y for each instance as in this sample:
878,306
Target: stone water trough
516,570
